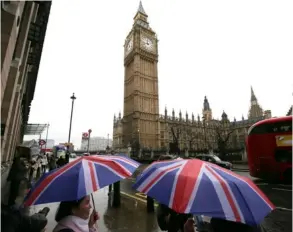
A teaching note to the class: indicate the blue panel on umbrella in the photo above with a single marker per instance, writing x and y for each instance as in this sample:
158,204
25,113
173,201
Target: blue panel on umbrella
206,201
64,187
163,189
106,175
251,204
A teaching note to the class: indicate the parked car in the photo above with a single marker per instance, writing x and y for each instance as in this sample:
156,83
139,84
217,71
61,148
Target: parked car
86,154
167,157
72,155
215,160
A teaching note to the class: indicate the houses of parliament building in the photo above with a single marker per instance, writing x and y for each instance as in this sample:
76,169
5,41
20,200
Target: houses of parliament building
141,122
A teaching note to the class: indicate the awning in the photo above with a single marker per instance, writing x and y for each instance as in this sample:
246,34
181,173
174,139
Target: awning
34,129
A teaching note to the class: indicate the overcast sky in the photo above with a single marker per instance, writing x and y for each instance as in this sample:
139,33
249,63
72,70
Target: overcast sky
213,48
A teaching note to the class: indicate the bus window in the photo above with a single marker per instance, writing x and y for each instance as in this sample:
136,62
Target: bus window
281,127
277,127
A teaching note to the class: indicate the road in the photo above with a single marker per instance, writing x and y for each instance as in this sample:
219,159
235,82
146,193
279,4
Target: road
132,215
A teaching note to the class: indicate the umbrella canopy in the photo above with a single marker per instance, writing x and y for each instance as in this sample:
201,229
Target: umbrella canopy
198,187
79,178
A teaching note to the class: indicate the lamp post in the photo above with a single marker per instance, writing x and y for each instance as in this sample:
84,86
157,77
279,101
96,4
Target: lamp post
139,154
88,142
48,125
70,124
204,131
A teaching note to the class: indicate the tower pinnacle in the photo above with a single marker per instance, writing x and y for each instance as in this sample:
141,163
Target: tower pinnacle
141,18
255,109
252,95
206,104
140,9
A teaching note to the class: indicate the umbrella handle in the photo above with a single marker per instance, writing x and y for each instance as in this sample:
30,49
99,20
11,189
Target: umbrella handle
93,201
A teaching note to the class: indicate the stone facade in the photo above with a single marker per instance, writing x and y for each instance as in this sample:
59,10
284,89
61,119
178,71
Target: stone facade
23,27
141,125
141,102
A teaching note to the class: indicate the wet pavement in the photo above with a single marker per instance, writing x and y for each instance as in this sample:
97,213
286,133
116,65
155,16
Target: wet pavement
132,215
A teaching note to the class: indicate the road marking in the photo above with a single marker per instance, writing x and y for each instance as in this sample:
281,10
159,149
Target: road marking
142,195
284,209
136,198
285,185
280,189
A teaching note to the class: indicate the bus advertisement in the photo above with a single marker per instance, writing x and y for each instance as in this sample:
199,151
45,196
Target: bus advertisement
269,149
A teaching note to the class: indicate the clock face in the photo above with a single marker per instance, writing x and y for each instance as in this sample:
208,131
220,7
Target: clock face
147,43
129,45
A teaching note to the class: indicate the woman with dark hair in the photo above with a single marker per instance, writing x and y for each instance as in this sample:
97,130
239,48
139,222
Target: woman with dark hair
74,216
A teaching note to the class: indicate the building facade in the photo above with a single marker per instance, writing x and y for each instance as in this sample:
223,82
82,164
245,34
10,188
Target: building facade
95,144
23,29
142,127
141,101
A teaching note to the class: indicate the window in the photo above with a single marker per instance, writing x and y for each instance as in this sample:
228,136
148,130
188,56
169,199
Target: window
277,127
216,158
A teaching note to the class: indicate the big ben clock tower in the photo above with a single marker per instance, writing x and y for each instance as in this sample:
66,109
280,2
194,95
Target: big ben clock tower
141,98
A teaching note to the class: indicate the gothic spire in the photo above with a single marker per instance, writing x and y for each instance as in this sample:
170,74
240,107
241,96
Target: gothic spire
140,9
141,18
252,95
206,104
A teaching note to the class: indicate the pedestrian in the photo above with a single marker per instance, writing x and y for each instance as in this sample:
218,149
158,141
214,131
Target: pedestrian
31,170
169,220
75,216
67,156
17,174
189,225
39,166
52,162
44,162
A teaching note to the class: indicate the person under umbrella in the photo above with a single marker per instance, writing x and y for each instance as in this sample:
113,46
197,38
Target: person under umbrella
75,216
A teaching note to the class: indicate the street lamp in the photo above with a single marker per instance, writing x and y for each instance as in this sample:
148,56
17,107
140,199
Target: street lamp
204,131
72,98
48,125
138,142
88,142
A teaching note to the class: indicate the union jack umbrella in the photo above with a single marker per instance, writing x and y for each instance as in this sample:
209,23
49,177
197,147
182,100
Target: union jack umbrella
79,178
202,188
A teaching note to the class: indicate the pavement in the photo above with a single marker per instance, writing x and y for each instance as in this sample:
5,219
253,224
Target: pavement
132,215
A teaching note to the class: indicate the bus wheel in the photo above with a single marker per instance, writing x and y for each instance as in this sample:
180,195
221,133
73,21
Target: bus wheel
288,176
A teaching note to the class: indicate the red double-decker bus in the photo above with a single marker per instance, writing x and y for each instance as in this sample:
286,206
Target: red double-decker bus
269,149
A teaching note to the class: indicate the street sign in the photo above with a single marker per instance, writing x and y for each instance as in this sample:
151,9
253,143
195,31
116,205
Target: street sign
42,142
85,135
